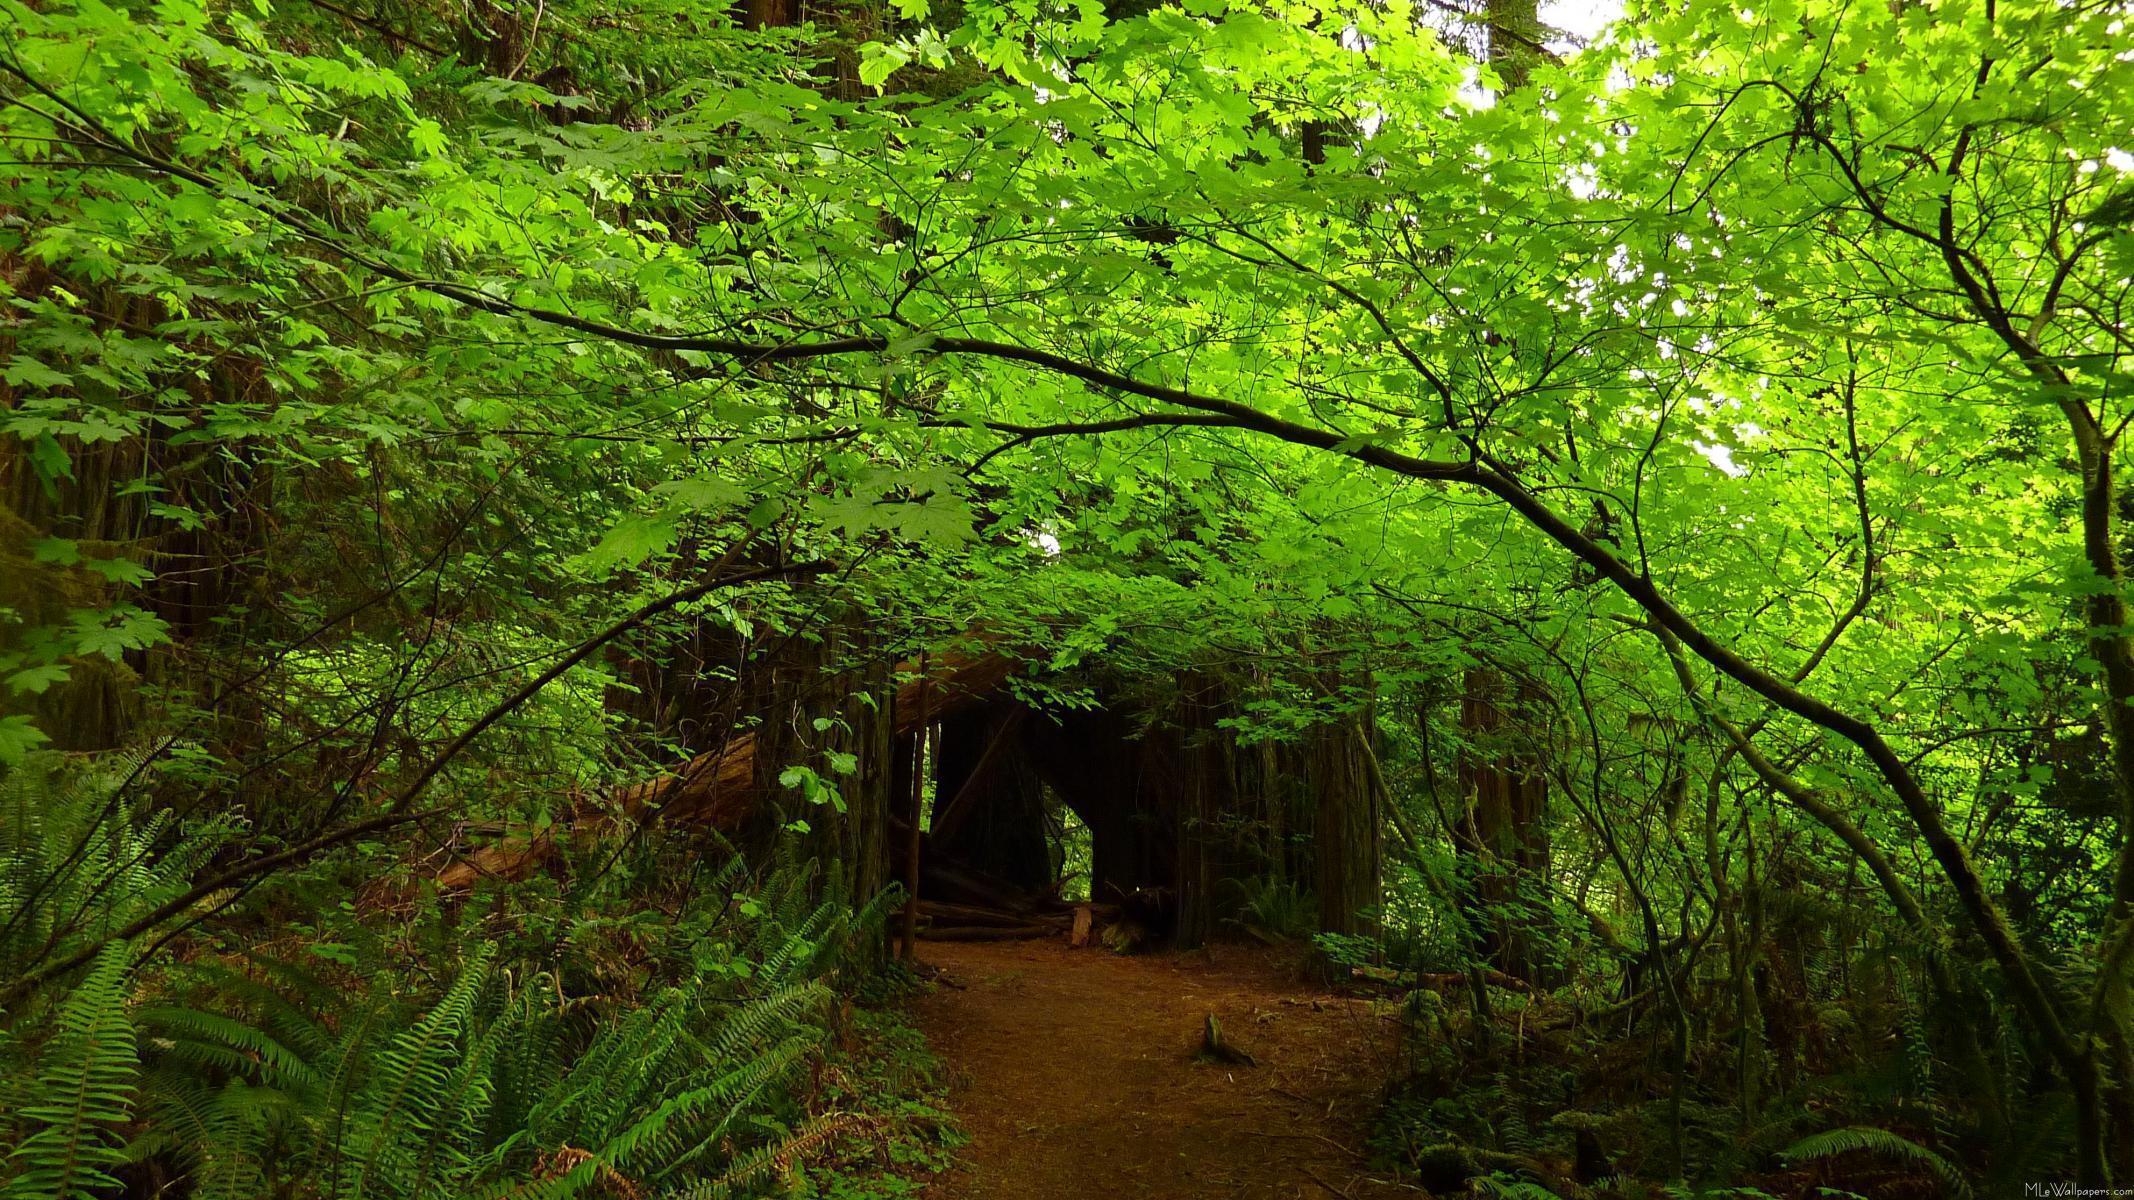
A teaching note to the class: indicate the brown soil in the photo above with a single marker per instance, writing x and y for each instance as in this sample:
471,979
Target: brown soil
1076,1074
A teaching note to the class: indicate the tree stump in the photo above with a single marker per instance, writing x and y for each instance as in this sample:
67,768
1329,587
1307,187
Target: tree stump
1214,1046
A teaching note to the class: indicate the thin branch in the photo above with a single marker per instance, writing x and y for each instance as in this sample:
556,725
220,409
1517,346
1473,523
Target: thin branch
399,810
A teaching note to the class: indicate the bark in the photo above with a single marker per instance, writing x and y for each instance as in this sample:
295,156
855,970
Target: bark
715,787
1503,832
1514,40
989,805
1204,795
915,815
1347,850
769,14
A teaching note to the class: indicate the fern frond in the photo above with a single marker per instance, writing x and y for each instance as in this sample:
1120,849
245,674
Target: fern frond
1505,1188
85,1091
627,1069
76,863
1866,1139
766,1017
684,1127
238,1046
407,1100
781,1156
218,1133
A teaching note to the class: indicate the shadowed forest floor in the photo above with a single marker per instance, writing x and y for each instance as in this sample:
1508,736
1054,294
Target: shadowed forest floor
1076,1073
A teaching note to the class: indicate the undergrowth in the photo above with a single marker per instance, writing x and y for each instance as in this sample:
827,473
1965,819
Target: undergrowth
883,1068
643,1025
1568,1093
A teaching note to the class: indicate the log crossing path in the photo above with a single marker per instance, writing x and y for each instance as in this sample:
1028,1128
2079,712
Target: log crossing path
1077,1073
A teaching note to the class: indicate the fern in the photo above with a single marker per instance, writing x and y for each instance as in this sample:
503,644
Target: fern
1275,910
224,1043
76,862
758,1021
526,1066
249,1075
1506,1188
690,1124
1866,1139
85,1091
782,1156
624,1070
218,1133
412,1099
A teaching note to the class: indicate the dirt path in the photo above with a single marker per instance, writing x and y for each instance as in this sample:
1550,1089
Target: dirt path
1074,1072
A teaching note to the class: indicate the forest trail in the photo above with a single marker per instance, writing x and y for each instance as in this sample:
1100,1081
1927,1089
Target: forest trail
1076,1074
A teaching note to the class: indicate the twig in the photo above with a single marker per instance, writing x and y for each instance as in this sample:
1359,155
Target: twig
400,810
1268,1133
1315,1177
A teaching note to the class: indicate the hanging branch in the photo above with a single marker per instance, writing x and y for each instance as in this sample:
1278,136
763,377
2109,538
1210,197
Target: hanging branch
918,801
400,809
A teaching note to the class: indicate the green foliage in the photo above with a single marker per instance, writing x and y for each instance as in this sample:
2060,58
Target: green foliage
359,368
268,1077
82,1093
79,856
1276,910
1866,1139
1504,1187
889,1089
1347,950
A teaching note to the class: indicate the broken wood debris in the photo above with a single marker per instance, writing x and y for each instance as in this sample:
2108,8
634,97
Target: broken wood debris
1436,981
951,921
1215,1046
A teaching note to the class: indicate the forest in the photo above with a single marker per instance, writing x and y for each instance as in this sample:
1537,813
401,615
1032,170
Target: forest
980,599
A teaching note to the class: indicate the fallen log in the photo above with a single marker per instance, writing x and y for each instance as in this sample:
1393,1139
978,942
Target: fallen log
714,786
986,933
510,857
717,788
943,878
1436,981
972,914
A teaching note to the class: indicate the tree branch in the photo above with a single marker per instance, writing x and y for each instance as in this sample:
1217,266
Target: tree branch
398,811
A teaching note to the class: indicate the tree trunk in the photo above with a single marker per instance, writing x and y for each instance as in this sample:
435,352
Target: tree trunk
1504,831
1347,854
